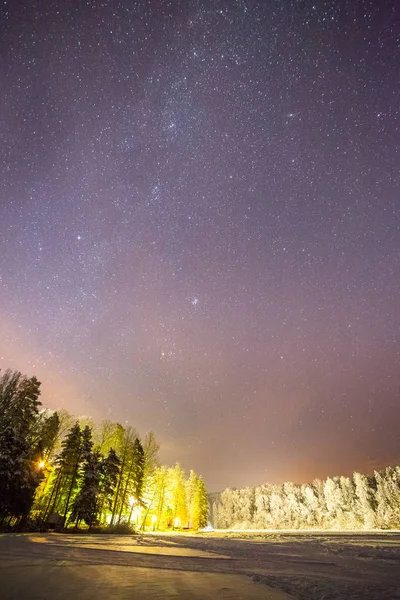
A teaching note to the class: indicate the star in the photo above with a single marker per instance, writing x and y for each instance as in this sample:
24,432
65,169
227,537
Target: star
207,169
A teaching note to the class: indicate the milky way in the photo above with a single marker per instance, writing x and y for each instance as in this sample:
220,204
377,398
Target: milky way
199,225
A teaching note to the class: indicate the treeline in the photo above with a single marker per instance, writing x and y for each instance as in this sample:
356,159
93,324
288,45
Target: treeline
58,471
360,502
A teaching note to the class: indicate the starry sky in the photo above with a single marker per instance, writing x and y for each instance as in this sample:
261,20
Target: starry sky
200,225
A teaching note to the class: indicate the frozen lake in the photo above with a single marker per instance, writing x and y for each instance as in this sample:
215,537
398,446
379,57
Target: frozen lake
275,566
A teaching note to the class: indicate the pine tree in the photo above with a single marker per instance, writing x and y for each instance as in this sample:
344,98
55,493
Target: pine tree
83,455
19,448
19,403
109,476
137,476
65,474
200,505
86,503
19,475
48,434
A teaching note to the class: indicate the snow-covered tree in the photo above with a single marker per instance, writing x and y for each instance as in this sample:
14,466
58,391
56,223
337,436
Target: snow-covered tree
388,498
20,445
365,500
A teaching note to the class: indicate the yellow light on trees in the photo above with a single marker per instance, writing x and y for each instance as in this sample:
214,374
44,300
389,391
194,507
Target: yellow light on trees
41,464
153,522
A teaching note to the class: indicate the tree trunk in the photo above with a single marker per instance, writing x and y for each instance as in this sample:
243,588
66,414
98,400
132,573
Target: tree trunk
124,492
117,490
55,491
70,490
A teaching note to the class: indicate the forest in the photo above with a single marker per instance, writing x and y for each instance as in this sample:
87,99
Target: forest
61,472
58,471
358,502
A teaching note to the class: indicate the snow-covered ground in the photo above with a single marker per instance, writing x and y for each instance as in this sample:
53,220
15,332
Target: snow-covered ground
315,565
222,565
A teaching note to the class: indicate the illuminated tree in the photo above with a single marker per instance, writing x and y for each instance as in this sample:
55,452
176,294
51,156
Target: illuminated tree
157,496
80,484
86,503
199,505
261,505
131,493
293,505
109,477
125,441
177,496
83,456
334,502
365,501
348,503
106,436
388,498
150,450
76,448
311,504
191,485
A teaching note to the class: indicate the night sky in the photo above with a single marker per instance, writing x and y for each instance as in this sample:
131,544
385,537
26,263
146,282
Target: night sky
200,225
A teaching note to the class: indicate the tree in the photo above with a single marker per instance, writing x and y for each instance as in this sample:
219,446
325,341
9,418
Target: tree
65,474
19,446
157,493
150,450
86,503
137,475
48,431
191,486
19,475
388,498
365,501
105,436
132,489
177,496
125,441
109,476
19,403
199,505
83,455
